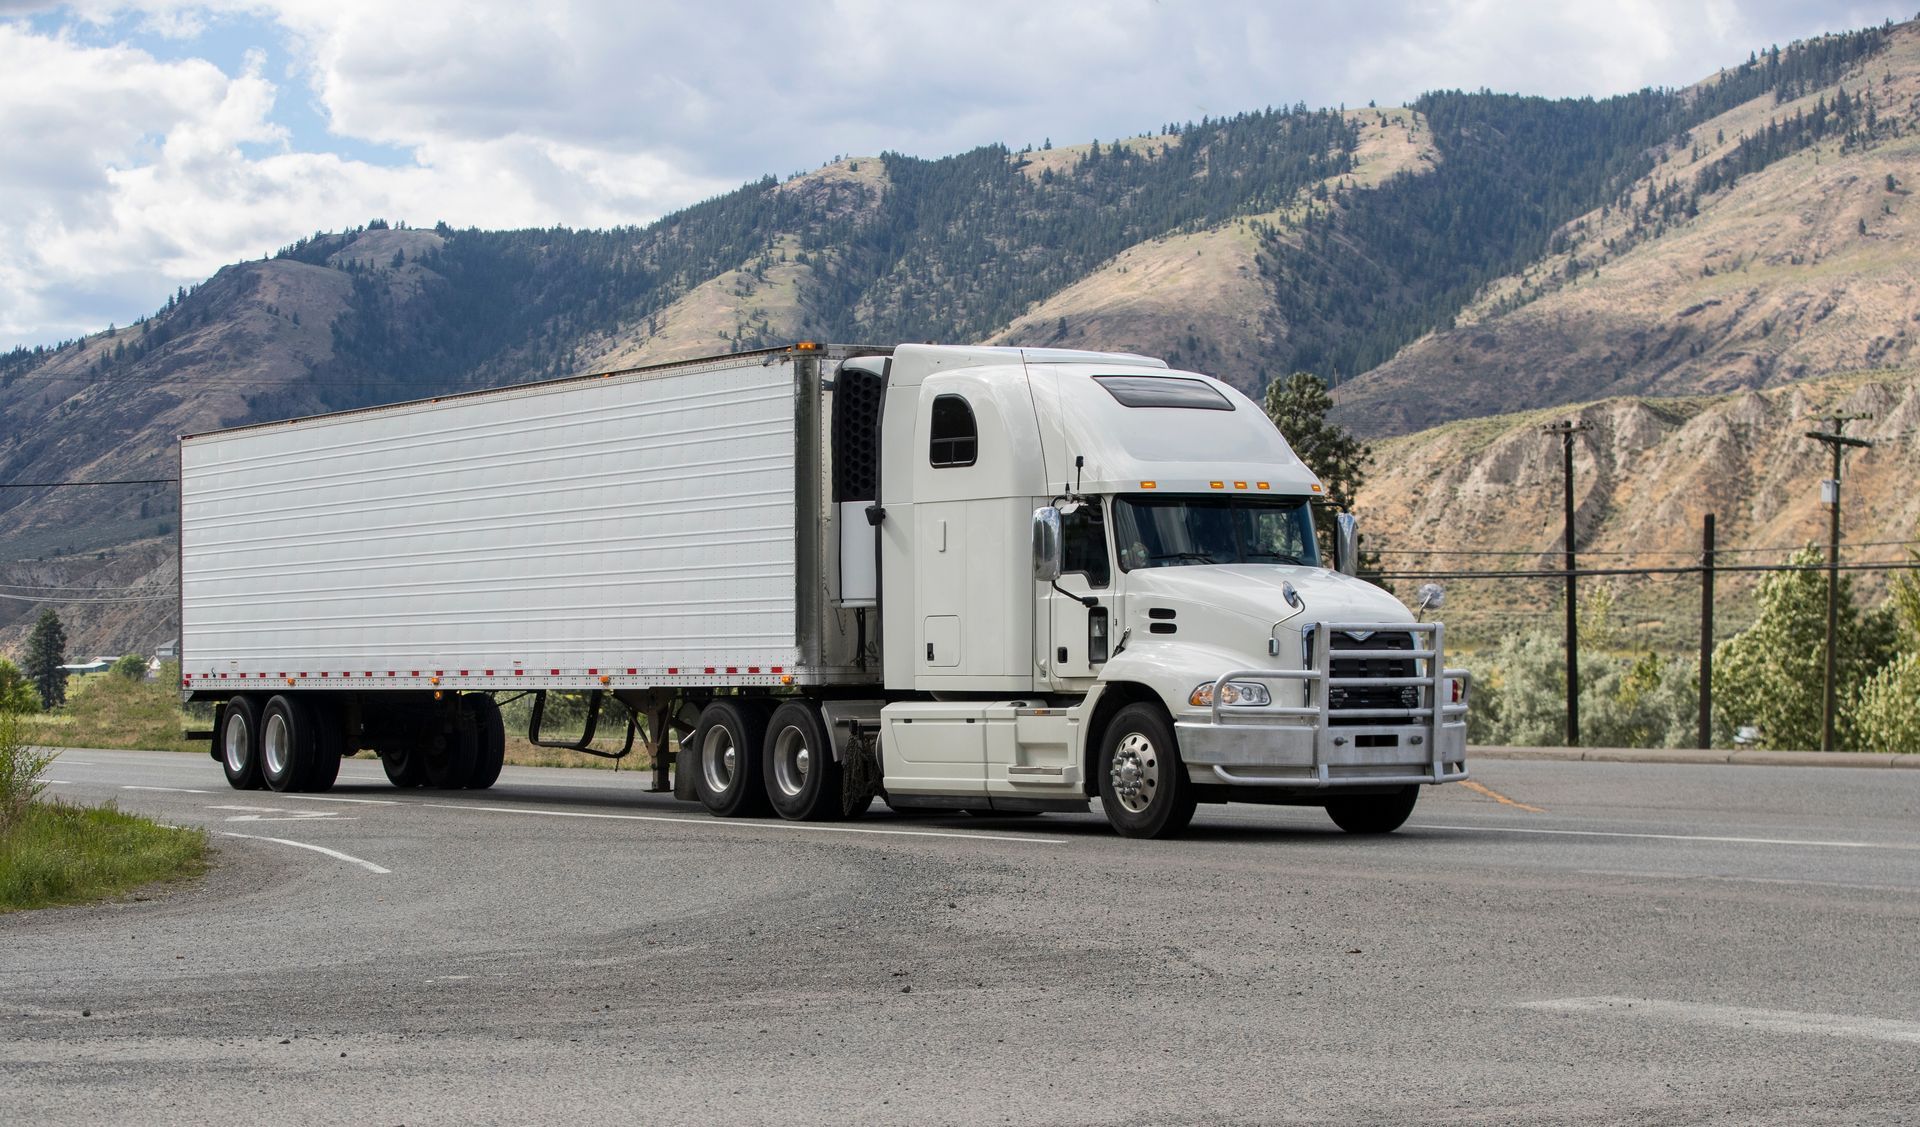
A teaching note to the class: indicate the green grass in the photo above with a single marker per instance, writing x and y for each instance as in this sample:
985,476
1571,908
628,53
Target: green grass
104,710
59,854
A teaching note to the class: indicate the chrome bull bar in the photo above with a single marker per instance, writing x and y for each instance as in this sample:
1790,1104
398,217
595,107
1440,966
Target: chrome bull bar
1332,756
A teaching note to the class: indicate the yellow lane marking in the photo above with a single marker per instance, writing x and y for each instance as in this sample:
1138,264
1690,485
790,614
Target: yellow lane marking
1498,797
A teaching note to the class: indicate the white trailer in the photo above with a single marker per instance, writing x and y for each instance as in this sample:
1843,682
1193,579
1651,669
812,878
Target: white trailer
987,579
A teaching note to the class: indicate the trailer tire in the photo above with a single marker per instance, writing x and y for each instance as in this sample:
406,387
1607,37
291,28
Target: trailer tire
403,766
239,743
330,740
1374,813
726,746
492,731
1143,784
450,766
288,743
803,782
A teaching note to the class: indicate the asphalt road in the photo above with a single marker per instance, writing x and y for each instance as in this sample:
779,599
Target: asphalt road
1615,943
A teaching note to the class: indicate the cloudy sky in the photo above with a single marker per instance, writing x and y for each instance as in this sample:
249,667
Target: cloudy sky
147,144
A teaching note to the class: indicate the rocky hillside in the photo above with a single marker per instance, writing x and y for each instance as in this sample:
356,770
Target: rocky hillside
1707,274
1486,494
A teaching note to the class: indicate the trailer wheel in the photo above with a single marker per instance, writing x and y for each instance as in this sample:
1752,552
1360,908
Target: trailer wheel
803,781
240,743
330,744
404,766
492,732
450,766
1143,784
726,744
1374,813
288,744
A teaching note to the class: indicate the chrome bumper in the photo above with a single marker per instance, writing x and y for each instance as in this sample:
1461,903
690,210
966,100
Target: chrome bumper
1304,747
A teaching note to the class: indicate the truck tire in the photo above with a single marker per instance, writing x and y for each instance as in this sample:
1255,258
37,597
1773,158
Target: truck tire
803,781
330,745
492,733
288,743
726,747
1143,784
404,766
1374,813
450,766
239,743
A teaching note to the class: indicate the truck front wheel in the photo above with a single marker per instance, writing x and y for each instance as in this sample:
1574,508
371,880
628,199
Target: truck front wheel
727,742
1143,784
240,743
1374,813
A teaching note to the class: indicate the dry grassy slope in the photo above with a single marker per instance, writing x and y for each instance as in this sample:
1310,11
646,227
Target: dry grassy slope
1772,281
253,327
765,299
1645,475
1202,296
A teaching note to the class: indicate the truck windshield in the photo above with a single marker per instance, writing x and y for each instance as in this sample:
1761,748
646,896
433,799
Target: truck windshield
1171,531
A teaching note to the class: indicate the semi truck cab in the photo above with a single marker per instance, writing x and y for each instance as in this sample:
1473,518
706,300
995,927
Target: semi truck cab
1110,579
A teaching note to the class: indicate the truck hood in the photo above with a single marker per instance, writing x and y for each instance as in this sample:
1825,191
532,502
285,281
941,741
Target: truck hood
1257,591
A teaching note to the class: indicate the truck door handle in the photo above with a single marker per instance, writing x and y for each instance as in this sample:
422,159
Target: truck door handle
929,651
1060,654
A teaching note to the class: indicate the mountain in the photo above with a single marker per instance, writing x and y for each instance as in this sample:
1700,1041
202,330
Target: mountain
1468,253
1487,494
1772,242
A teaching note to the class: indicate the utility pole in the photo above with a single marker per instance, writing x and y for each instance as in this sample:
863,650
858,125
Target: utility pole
1706,633
1837,441
1566,431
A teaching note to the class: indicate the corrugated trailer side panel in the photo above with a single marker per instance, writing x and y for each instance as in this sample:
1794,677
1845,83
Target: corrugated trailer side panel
641,521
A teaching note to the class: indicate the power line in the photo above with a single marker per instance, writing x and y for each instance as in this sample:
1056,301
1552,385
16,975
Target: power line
1561,573
70,484
64,601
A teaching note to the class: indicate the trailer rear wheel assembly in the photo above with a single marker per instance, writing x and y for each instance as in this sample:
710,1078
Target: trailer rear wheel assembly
802,779
1374,813
449,766
405,767
288,744
492,734
240,743
728,742
330,738
1143,784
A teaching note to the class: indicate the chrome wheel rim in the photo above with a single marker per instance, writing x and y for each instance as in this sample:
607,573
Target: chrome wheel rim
276,745
792,760
233,743
719,759
1135,773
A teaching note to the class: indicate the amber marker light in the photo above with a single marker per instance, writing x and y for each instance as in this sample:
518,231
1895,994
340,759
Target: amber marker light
605,680
787,679
1218,484
1149,485
1239,485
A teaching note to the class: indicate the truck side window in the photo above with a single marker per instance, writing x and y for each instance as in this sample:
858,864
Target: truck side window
955,438
1083,535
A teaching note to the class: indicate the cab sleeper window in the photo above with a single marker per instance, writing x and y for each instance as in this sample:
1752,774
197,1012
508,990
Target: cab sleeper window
955,438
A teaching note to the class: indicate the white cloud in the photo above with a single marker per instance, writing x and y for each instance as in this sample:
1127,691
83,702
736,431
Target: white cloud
128,174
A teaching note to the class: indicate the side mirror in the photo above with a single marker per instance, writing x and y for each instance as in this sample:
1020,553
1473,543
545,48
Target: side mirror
1346,543
1047,544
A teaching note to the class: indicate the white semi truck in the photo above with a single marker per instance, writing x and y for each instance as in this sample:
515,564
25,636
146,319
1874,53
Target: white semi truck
1003,580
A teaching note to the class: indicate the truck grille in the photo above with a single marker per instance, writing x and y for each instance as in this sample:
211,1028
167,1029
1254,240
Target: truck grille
1345,697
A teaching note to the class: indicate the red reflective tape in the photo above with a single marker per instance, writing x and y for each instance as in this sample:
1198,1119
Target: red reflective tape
631,672
553,672
673,670
709,669
776,669
593,673
753,669
463,673
733,669
391,673
518,672
489,673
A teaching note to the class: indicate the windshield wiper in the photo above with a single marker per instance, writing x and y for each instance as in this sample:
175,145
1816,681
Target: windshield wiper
1281,556
1190,557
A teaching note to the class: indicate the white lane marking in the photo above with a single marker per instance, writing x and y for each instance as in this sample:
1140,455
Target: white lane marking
717,823
258,809
169,790
334,853
1640,874
336,798
60,782
1740,1017
1675,837
293,816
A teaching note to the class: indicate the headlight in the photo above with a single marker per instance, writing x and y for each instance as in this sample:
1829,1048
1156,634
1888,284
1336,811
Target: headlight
1247,694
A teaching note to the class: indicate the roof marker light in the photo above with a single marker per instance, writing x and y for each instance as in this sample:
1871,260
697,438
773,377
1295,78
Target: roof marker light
1218,484
1239,485
1260,485
1149,485
1315,487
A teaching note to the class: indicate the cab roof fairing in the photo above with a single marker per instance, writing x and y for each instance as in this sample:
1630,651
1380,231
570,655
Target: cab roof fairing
1179,449
913,363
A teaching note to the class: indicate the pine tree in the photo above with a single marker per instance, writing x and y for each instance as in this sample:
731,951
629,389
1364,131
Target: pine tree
46,650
